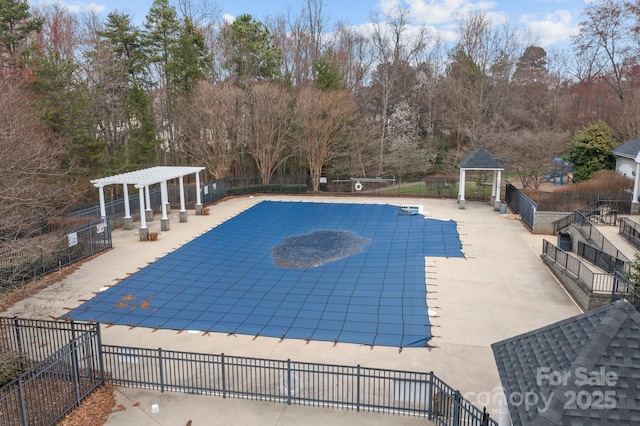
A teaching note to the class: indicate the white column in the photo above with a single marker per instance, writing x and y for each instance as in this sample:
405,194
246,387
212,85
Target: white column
164,197
636,184
127,209
461,185
198,198
182,206
499,184
504,418
494,182
148,197
103,209
143,219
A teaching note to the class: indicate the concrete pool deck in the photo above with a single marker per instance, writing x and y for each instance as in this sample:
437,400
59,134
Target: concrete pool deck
499,290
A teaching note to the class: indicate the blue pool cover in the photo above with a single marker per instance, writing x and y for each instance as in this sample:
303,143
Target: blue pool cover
227,280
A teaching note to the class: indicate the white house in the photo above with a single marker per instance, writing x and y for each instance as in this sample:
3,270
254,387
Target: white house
628,164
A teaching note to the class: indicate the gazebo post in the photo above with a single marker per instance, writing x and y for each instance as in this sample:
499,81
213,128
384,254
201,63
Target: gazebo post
144,230
183,210
164,222
149,211
128,220
198,198
461,202
497,202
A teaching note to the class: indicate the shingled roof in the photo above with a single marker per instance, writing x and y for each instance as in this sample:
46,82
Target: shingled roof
480,159
602,345
628,150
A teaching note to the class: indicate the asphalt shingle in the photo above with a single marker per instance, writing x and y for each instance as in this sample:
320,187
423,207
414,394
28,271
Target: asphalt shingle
583,370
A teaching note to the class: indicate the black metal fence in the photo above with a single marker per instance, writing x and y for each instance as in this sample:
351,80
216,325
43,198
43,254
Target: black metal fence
56,365
623,289
597,282
601,259
630,230
348,387
591,233
521,204
25,261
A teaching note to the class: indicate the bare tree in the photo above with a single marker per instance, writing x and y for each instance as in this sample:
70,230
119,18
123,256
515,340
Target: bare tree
208,119
272,126
394,50
324,119
32,186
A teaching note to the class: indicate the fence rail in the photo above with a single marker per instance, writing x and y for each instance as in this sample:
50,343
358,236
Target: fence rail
594,281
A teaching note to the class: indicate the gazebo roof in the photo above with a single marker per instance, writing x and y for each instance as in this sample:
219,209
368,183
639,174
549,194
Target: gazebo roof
480,159
146,177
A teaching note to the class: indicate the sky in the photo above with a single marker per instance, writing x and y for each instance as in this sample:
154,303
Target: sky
551,22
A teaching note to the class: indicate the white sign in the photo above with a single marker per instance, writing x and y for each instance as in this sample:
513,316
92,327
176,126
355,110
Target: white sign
73,239
206,189
100,228
323,179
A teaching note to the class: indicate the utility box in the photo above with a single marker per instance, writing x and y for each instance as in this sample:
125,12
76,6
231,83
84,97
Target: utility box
564,240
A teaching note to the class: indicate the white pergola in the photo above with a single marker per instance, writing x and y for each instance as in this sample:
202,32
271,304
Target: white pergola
143,179
480,159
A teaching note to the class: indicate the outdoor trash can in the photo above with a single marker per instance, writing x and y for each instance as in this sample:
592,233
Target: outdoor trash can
564,240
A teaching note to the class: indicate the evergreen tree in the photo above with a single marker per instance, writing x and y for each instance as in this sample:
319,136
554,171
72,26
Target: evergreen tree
249,50
190,59
16,24
590,150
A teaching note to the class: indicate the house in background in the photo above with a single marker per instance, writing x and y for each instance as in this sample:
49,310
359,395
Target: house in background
584,370
628,164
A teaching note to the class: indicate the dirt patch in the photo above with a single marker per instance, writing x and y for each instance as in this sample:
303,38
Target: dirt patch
95,409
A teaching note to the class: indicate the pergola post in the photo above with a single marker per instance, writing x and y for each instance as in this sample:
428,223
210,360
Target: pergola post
198,198
103,209
128,220
164,222
149,211
183,210
144,230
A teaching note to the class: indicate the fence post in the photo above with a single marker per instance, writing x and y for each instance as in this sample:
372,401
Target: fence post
160,368
288,381
456,407
430,395
23,405
16,323
223,374
75,367
100,354
74,361
358,389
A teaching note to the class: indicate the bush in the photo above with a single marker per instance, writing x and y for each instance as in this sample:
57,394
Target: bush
604,181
